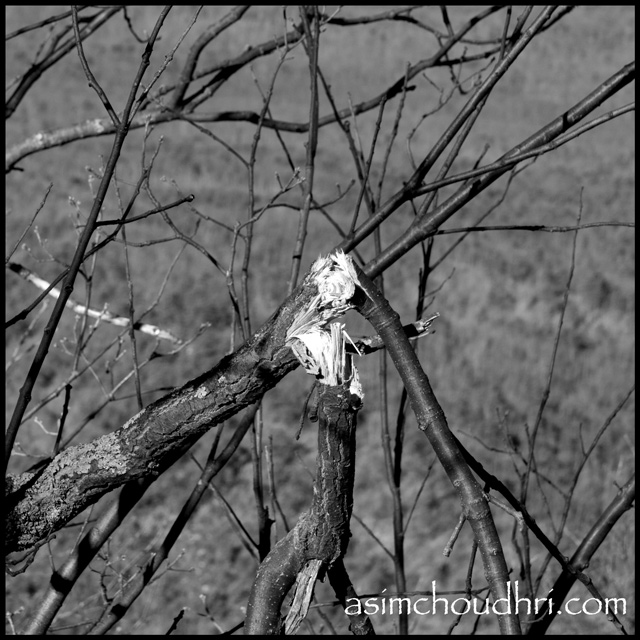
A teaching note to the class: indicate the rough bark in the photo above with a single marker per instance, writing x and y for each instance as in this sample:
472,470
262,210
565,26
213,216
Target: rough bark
39,503
322,533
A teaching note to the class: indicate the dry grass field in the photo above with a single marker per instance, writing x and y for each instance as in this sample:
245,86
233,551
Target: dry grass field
499,295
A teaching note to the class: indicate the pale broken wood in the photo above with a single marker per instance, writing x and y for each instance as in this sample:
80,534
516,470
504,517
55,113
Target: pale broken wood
82,310
321,535
305,582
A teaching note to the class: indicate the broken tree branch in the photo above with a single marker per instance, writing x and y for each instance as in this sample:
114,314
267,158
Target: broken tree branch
322,533
41,502
82,310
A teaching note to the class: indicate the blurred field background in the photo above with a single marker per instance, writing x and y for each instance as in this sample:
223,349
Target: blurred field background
498,294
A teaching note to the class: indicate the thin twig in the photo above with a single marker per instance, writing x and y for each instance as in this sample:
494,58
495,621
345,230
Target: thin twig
552,361
312,36
26,229
93,83
418,231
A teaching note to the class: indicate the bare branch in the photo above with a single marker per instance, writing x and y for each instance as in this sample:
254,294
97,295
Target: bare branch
67,287
92,79
421,229
153,439
583,554
53,56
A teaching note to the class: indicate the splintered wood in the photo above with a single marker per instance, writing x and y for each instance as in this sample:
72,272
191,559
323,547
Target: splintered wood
320,349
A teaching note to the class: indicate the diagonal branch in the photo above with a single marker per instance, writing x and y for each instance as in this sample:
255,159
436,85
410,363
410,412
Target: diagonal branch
78,257
212,32
583,554
425,227
55,55
83,310
39,503
431,420
414,182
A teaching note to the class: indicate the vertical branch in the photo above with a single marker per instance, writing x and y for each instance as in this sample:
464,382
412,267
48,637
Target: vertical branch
313,45
264,521
132,333
554,351
364,171
393,462
321,535
344,125
392,137
251,216
531,462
